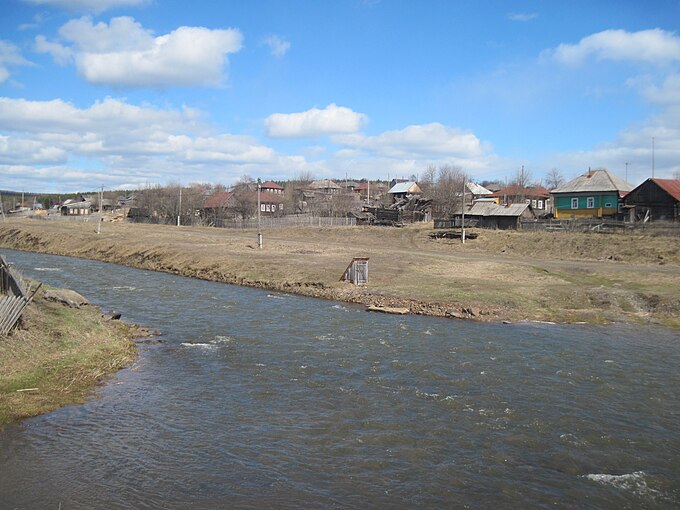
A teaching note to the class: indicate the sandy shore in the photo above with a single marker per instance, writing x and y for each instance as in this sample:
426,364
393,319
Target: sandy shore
513,276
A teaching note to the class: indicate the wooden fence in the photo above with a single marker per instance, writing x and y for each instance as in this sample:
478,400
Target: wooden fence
14,297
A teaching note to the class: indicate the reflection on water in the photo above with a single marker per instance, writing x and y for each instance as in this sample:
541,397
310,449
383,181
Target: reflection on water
256,400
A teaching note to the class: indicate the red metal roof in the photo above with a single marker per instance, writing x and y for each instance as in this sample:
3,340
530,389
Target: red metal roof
215,200
271,185
670,186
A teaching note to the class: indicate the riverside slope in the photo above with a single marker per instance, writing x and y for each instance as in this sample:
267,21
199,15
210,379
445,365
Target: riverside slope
500,276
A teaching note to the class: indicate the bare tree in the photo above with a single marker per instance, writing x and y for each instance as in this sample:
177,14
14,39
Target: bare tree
522,178
243,201
676,175
428,180
554,178
447,194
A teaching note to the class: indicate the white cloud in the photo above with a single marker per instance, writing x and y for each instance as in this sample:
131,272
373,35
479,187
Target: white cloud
94,6
522,16
124,53
418,141
10,55
130,143
668,93
279,47
654,46
61,54
314,122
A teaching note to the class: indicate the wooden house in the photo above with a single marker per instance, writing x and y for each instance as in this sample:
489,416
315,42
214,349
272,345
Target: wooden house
595,194
272,187
491,215
654,199
77,207
404,190
537,196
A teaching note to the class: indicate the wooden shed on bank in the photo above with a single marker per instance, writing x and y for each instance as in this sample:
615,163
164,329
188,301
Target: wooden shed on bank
654,199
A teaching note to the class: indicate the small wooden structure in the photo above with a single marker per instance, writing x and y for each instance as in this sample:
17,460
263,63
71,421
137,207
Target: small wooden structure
357,271
13,297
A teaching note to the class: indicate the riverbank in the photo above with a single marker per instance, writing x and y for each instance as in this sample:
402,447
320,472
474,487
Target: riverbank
58,356
513,276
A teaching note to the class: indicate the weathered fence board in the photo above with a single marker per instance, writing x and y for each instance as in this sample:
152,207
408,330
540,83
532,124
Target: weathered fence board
14,297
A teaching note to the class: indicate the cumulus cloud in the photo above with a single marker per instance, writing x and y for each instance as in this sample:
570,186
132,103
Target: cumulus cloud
653,46
61,54
124,53
10,55
522,16
94,6
279,47
134,143
667,93
418,141
314,122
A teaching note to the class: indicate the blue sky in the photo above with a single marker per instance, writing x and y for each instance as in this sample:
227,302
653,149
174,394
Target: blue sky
124,93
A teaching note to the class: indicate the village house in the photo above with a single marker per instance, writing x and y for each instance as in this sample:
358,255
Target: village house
477,193
215,205
371,192
537,196
325,186
271,187
77,207
654,199
496,216
595,194
404,190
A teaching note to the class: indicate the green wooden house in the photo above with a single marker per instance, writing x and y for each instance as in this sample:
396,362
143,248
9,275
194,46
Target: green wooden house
595,194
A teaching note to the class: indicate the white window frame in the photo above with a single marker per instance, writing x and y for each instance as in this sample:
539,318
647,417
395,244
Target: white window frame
590,203
574,203
533,203
540,204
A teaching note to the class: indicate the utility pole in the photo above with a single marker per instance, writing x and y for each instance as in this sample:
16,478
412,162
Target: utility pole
259,230
626,171
652,157
368,191
179,210
99,222
2,209
462,222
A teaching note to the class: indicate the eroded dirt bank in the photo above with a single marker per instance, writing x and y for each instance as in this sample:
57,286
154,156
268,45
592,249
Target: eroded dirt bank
492,278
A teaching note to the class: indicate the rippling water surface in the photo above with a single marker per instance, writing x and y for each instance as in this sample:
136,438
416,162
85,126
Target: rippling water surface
263,400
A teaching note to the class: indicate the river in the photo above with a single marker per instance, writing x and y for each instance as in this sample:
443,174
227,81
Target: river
264,400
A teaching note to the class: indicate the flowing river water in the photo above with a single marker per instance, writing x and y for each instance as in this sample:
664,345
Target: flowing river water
263,400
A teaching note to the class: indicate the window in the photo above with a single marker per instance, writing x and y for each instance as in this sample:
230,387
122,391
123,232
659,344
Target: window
280,207
590,202
262,207
533,204
608,204
574,203
540,204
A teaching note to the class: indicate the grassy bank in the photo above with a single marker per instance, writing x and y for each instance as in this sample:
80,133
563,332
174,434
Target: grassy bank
562,277
57,356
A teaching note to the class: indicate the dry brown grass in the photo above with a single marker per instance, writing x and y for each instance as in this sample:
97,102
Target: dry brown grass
57,357
501,275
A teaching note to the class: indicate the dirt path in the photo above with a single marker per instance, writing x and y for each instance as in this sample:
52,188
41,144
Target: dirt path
499,276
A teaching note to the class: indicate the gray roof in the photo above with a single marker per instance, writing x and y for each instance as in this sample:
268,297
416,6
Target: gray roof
405,187
594,181
323,184
476,189
491,209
